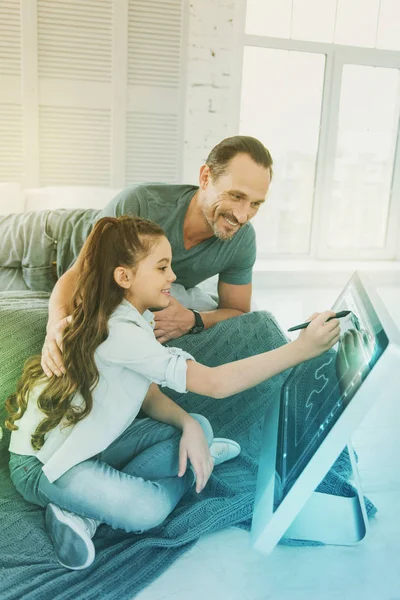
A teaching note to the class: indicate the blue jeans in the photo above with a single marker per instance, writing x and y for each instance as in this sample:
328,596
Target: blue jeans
132,485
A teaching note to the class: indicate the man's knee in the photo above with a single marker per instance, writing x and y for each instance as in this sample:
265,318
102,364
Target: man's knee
262,317
262,323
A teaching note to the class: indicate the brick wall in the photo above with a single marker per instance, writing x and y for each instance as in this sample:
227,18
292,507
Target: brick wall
214,29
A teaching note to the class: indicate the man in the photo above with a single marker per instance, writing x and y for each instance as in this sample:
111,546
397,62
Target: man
207,226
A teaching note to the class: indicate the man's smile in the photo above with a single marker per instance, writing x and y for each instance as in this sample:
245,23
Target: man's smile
230,222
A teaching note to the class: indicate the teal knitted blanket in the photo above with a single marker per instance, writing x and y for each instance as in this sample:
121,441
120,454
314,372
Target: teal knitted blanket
126,563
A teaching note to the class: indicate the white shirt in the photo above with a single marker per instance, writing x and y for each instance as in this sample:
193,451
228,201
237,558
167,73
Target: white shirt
128,361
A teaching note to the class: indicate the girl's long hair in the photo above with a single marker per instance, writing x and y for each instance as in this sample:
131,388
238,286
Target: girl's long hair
113,242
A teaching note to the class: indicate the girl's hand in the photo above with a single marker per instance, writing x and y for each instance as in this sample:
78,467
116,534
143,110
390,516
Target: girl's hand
320,335
193,446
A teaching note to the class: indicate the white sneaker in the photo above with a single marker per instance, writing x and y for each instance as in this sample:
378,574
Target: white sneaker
223,449
71,536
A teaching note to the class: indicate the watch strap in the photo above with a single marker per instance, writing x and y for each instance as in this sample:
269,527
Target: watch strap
198,322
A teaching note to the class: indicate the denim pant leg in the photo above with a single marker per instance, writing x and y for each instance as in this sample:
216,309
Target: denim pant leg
26,252
118,498
11,280
135,450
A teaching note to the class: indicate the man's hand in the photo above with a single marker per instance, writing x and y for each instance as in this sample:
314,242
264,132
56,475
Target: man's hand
52,362
172,322
193,446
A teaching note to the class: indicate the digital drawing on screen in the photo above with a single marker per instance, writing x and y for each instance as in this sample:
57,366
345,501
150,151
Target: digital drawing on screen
317,392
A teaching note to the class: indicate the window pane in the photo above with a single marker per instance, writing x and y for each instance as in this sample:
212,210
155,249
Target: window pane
356,22
389,25
281,105
314,20
365,151
269,17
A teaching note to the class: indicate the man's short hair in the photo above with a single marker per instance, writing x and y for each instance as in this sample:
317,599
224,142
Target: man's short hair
220,156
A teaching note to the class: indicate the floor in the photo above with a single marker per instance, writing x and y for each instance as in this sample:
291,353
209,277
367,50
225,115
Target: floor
223,566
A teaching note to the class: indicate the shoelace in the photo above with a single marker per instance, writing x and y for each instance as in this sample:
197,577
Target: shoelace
219,452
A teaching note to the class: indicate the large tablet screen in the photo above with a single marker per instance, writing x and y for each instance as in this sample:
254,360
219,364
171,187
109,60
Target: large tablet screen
317,392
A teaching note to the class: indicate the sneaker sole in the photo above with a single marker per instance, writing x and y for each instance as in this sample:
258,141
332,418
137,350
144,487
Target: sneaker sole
73,550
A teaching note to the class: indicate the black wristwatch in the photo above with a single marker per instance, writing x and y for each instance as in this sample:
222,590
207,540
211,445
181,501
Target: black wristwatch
198,326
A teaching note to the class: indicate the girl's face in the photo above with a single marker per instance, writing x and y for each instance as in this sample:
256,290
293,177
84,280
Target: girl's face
150,282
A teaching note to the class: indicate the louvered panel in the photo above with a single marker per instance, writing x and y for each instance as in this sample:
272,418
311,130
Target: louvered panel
10,37
152,147
11,157
75,146
154,42
75,39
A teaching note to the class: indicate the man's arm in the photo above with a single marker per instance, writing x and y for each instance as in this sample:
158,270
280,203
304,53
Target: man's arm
234,300
60,307
60,303
176,320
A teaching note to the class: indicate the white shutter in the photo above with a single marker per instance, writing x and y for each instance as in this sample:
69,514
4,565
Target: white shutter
154,50
10,37
91,91
10,96
74,68
155,90
10,142
152,147
75,39
74,146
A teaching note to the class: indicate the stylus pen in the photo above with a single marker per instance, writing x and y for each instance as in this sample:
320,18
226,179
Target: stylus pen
339,315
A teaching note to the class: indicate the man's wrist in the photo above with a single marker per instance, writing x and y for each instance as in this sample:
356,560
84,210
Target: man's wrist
191,319
198,325
55,319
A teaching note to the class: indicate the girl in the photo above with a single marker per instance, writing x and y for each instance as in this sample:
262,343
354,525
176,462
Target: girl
78,449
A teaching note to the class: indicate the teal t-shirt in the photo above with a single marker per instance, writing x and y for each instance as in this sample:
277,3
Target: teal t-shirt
167,204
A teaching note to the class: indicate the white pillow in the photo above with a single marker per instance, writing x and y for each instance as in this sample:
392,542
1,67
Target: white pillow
11,198
68,197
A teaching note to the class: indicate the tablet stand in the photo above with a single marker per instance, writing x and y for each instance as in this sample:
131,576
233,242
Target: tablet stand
333,519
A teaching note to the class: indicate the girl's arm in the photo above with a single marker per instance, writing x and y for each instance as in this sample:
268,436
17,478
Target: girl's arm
161,408
193,444
235,377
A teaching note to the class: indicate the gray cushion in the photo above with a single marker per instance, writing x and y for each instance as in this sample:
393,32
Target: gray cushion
23,319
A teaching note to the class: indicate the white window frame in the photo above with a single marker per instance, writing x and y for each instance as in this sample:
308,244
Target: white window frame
336,57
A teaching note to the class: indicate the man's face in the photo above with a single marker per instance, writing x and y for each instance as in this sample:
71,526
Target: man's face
230,201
